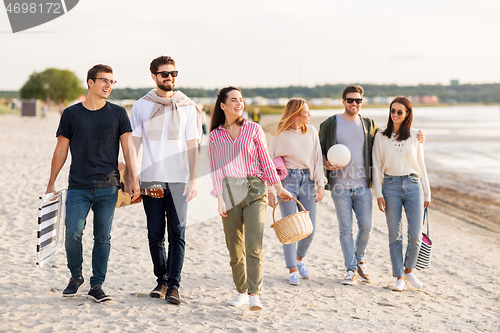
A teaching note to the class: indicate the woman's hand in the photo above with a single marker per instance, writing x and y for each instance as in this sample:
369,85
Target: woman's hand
427,204
221,206
421,137
271,198
320,193
381,204
282,193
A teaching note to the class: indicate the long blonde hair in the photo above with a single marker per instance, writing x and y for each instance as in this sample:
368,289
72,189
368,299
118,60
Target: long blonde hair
291,112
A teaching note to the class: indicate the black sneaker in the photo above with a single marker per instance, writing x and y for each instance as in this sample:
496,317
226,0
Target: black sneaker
159,291
98,294
75,283
173,296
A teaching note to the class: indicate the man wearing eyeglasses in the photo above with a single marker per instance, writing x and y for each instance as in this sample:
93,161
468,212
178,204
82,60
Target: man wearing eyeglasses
350,185
168,125
93,131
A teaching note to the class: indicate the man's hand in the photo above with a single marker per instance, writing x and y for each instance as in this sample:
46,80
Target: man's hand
330,167
132,188
131,176
191,189
58,159
427,204
51,188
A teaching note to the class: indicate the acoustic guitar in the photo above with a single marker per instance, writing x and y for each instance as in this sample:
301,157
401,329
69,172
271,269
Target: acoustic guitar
124,198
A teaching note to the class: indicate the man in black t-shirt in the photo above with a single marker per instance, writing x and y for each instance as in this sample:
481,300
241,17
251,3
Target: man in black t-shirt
93,131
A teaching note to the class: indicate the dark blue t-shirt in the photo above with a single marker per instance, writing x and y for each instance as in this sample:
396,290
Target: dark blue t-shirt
94,142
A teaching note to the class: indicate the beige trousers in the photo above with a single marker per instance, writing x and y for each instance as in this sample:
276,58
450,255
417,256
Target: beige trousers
244,227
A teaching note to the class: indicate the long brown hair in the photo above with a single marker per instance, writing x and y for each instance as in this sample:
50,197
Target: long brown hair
218,117
404,129
291,112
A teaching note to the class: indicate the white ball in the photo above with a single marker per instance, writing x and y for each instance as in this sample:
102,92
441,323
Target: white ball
338,155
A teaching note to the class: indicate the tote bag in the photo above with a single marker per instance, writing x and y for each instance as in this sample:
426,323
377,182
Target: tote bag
425,253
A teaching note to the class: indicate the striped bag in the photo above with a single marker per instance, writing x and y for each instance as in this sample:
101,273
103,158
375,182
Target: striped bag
424,255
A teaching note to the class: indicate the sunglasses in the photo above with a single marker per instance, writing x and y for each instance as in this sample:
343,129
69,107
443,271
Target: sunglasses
106,81
165,74
358,100
399,112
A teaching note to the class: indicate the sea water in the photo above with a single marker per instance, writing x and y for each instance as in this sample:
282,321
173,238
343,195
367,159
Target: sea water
459,139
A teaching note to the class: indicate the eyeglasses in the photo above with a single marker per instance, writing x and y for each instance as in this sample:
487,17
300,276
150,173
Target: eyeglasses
106,81
399,112
165,74
358,100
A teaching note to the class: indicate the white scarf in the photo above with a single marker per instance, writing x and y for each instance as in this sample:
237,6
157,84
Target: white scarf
155,128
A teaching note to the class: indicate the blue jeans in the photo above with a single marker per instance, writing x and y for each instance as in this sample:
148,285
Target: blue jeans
297,182
399,192
169,212
345,201
102,200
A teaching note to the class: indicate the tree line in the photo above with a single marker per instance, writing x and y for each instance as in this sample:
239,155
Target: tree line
57,86
464,93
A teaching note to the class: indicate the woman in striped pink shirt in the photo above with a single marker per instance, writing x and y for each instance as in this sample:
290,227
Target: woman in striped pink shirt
241,166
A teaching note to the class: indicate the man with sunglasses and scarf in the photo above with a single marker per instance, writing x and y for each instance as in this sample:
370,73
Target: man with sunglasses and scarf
350,185
168,125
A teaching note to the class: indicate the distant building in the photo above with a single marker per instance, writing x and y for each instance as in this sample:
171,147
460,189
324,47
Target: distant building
427,99
205,100
379,100
260,100
454,82
325,102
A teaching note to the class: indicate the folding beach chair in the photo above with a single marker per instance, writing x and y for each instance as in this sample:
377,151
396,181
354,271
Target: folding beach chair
50,236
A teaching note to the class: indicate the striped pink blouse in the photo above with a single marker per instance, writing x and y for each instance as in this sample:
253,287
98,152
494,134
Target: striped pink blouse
245,156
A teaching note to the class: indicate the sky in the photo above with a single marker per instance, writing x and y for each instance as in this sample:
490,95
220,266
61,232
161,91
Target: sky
264,43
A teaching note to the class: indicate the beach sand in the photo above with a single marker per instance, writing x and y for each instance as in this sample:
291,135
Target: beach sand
461,290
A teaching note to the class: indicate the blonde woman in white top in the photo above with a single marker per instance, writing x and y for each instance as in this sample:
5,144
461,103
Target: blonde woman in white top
299,146
400,180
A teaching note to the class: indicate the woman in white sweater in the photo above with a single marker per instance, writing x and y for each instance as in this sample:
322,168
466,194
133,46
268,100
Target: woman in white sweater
298,144
400,180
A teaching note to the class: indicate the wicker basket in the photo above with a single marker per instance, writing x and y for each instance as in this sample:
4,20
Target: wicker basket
294,227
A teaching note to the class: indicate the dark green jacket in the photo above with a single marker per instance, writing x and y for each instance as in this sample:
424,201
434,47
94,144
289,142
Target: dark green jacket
328,138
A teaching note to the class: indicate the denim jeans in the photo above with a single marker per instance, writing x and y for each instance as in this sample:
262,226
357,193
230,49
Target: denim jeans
345,201
297,182
102,200
169,212
399,192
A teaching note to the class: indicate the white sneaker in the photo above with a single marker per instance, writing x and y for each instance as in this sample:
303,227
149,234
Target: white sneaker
239,300
399,286
294,278
303,271
350,278
410,277
255,304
